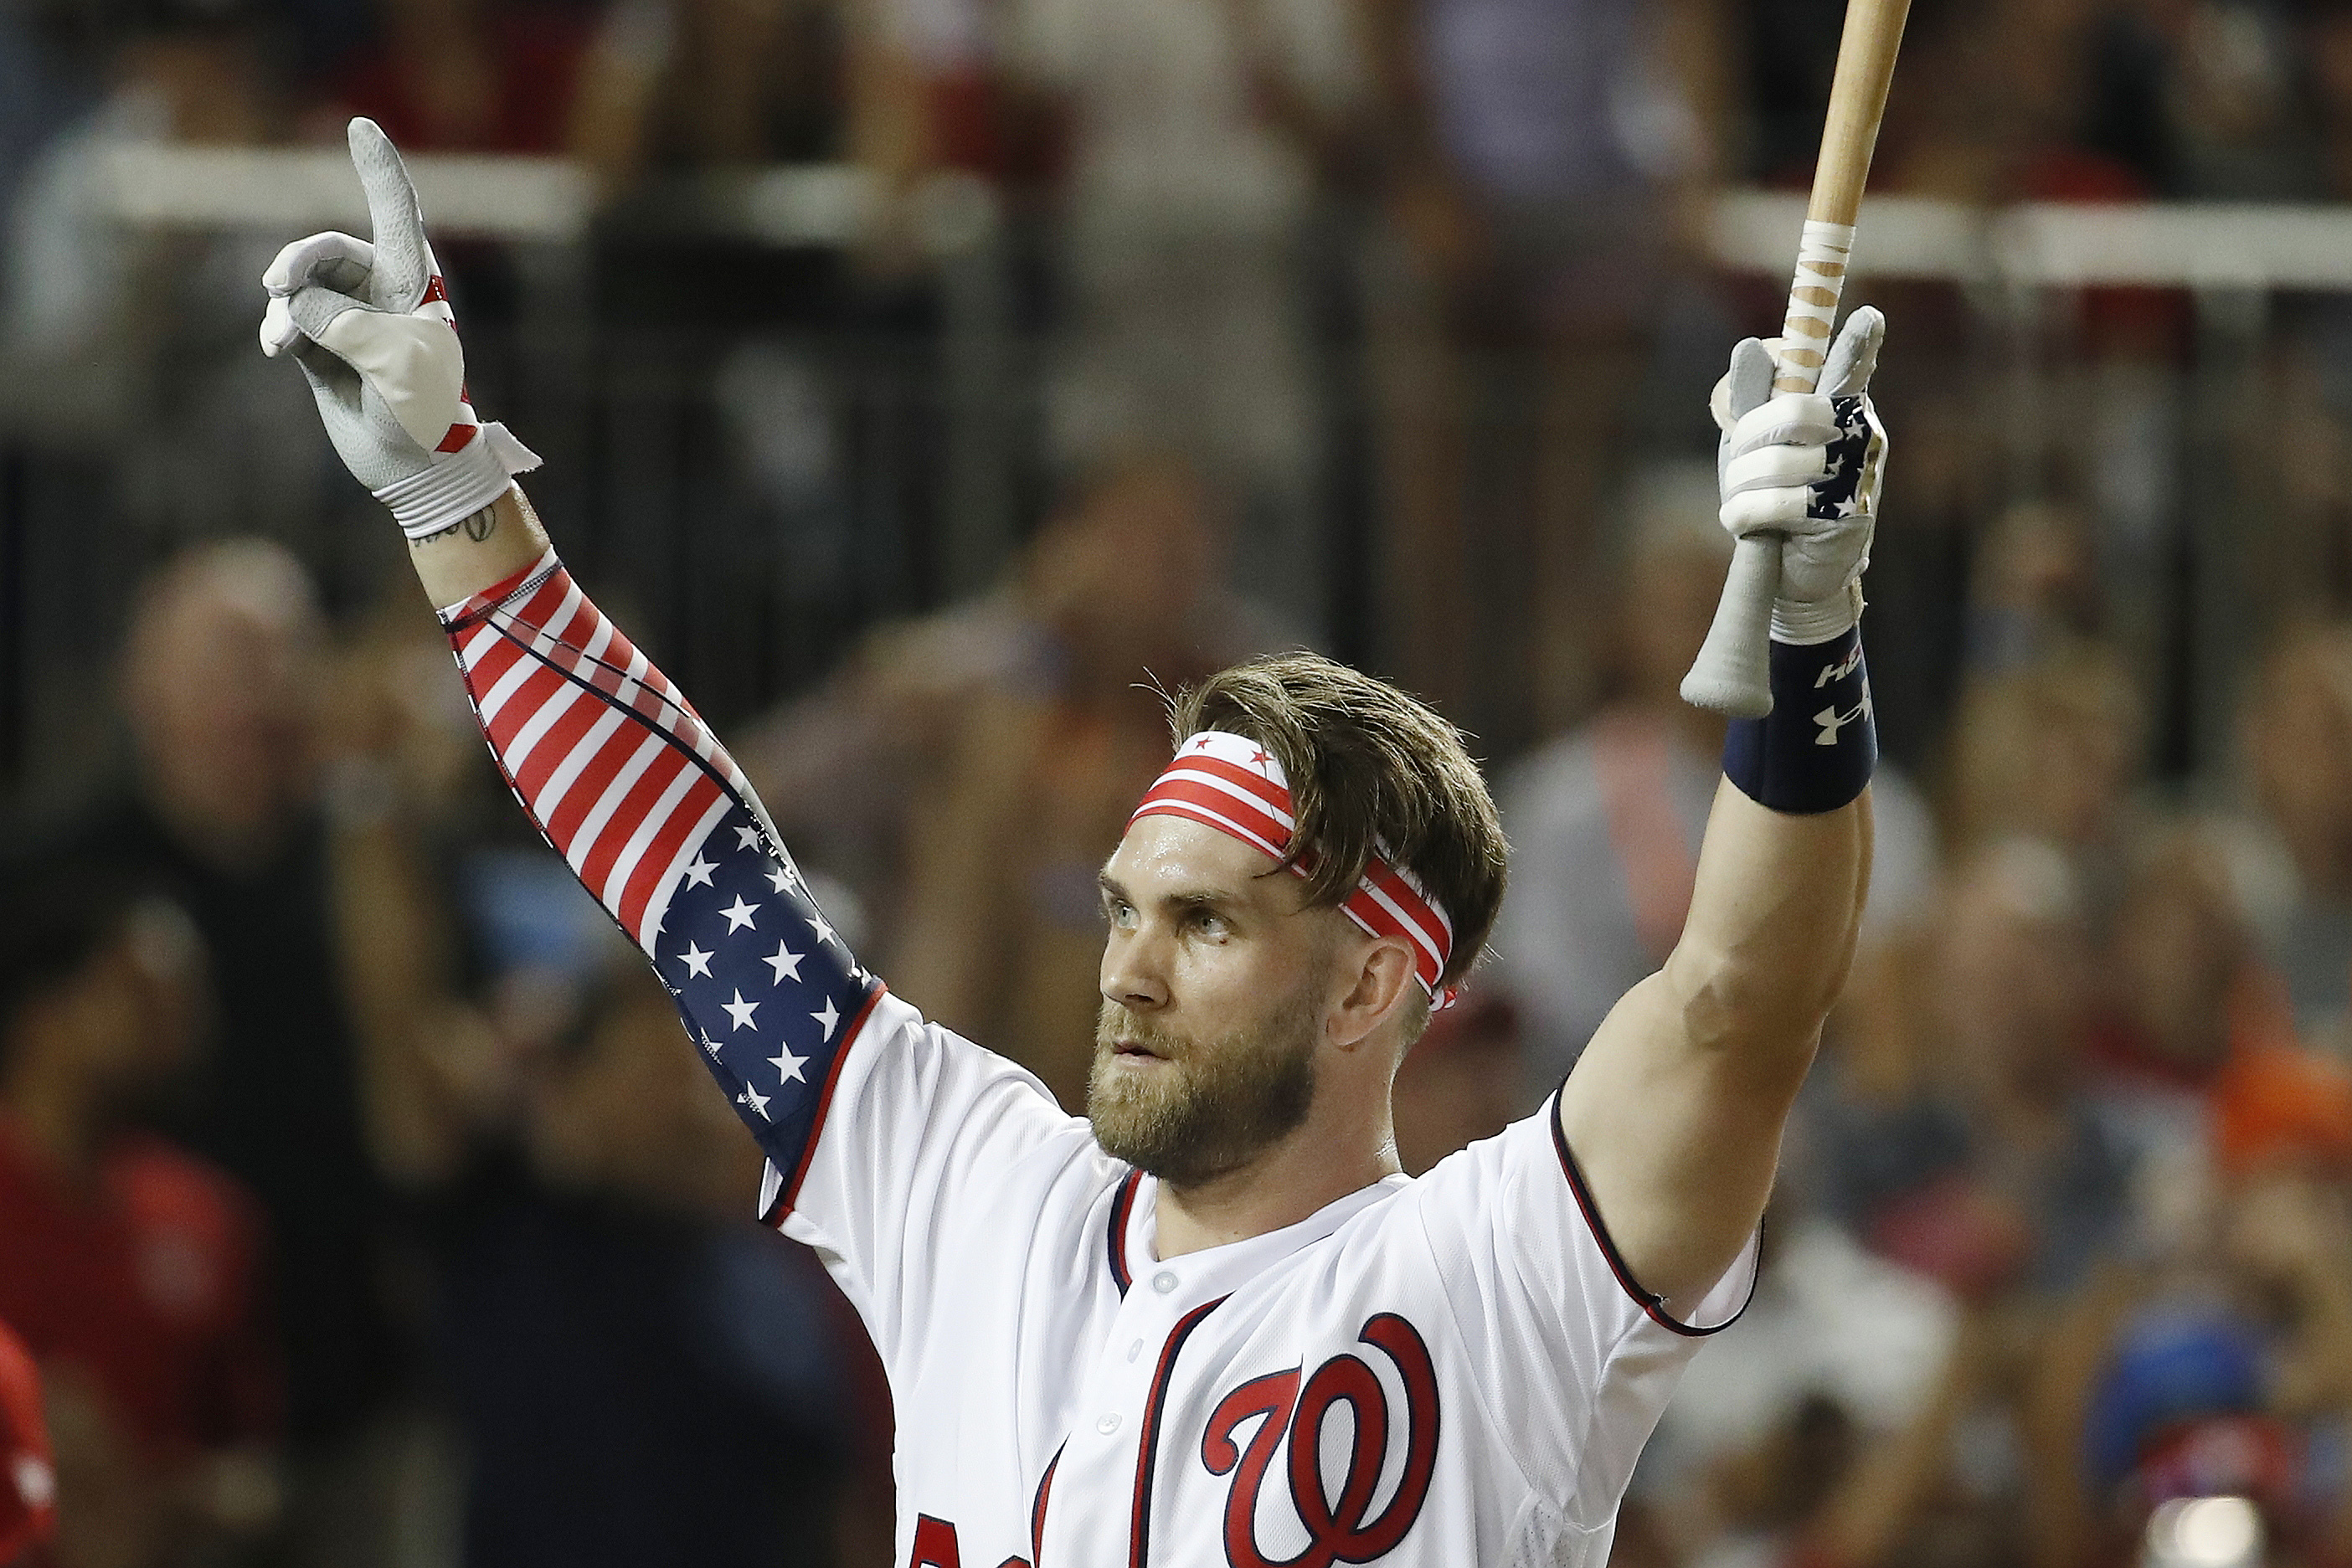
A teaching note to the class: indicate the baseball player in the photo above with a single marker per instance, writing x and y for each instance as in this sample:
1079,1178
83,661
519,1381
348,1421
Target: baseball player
1209,1321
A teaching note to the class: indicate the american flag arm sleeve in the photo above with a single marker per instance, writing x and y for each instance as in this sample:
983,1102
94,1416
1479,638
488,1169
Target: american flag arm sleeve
620,775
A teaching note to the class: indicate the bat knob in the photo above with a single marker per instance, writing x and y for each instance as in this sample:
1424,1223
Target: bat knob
1733,673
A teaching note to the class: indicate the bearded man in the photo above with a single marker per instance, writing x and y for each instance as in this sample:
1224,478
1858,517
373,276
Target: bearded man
1128,1336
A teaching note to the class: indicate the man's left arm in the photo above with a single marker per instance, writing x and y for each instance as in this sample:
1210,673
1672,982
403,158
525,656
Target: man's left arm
1673,1114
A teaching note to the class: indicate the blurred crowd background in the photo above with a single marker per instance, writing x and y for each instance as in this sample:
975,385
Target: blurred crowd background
926,383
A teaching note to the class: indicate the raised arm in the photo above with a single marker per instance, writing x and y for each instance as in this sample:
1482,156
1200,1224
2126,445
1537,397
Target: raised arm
611,764
1673,1114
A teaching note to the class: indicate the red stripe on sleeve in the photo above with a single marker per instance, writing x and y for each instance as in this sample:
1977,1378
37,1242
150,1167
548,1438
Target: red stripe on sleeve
631,814
643,883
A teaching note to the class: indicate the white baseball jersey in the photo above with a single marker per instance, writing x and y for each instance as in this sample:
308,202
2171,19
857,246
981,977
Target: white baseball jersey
1432,1372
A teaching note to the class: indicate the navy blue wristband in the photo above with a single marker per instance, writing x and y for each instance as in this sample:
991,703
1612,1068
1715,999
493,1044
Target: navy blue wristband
1814,751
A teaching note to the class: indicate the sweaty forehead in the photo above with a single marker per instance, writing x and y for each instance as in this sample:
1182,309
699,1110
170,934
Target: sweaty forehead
1171,857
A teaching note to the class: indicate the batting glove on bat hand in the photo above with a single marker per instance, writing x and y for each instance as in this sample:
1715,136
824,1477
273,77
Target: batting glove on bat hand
1808,466
372,328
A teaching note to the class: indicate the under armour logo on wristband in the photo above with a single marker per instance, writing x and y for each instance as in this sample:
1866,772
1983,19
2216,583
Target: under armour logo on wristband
1815,750
1832,721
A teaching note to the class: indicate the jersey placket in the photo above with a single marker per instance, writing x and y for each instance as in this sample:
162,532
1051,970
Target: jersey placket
1121,1457
1104,1482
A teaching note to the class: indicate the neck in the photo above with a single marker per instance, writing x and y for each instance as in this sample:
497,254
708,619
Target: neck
1314,1167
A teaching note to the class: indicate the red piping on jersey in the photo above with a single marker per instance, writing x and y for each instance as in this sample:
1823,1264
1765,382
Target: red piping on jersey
1649,1302
1037,1509
1138,1530
792,1188
1120,1207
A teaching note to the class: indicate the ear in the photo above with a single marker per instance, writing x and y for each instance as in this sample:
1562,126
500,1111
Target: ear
1376,978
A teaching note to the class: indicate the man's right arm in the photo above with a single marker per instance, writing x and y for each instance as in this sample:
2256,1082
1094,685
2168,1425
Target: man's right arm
623,779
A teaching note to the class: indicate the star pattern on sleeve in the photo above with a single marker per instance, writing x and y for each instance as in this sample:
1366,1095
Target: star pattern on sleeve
622,777
771,1008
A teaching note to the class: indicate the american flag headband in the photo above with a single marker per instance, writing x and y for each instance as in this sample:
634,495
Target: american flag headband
1233,785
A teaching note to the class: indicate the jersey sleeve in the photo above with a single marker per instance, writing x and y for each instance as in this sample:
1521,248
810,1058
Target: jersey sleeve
1573,1360
620,775
931,1142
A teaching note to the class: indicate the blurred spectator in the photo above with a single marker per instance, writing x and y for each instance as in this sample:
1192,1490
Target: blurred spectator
126,349
2184,990
967,774
106,327
2050,749
132,1268
2222,1373
469,76
1839,1352
703,83
643,1375
2200,1071
1605,822
2036,589
321,945
28,1476
927,89
1993,1171
1541,158
1199,132
2297,732
2231,98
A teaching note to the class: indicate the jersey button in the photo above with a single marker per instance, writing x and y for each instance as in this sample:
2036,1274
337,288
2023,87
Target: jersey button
1163,1282
1108,1424
1135,1350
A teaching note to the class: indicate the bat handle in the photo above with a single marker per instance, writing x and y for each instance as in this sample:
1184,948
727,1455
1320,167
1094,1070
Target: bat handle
1732,674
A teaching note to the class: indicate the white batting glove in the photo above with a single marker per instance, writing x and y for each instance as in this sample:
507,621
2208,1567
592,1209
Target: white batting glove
372,328
1807,466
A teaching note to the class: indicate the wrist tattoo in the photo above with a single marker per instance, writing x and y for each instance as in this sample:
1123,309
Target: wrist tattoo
477,528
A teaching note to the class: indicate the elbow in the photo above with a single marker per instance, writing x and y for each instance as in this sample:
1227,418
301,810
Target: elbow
1766,1012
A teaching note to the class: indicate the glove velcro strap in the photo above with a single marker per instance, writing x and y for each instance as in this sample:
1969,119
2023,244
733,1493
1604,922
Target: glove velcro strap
1815,750
456,485
1819,622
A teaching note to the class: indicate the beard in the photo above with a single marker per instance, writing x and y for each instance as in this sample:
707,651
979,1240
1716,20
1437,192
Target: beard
1214,1105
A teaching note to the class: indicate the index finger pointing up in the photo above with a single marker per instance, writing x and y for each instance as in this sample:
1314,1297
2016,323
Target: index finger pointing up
403,264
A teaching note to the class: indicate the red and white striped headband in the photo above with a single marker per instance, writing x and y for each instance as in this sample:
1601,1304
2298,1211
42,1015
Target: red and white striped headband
1233,785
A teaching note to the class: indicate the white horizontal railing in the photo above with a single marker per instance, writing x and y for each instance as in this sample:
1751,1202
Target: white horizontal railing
167,185
289,190
2178,245
2168,245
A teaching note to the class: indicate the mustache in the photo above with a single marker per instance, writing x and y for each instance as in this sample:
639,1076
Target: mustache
1115,1024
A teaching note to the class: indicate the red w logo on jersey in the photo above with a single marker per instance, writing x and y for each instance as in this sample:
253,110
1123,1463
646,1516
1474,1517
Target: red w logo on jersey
1337,1529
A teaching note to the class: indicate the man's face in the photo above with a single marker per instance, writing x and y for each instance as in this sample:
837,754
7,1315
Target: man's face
221,709
1215,984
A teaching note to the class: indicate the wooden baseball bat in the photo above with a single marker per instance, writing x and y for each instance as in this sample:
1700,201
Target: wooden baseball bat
1731,673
